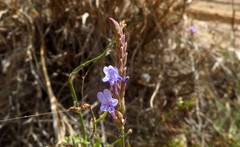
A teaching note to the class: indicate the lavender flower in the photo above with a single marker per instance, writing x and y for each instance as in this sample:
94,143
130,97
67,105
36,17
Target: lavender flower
111,75
192,29
107,102
125,80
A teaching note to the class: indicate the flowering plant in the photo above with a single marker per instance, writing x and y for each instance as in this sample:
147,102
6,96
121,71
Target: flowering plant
112,99
116,76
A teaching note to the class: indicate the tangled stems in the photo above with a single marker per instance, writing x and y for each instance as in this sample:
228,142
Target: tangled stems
72,75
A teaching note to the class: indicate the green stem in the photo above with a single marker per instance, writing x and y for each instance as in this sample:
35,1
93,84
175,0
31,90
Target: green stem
72,75
101,117
117,141
122,141
74,96
83,130
94,124
122,138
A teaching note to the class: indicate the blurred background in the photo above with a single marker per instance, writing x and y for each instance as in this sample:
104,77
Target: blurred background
183,63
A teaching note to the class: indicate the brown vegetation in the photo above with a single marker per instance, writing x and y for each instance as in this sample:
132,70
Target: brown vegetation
172,85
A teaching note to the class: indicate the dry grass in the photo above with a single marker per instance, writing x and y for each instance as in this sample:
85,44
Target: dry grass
164,66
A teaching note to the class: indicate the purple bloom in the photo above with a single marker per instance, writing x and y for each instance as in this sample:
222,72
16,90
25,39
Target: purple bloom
107,102
111,75
126,79
192,29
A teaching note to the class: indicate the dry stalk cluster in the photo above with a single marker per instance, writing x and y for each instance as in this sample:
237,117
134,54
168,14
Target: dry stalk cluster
42,41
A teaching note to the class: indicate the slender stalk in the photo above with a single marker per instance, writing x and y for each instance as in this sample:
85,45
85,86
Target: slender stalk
75,102
72,75
122,138
83,130
117,141
101,117
96,121
94,124
74,144
122,141
74,95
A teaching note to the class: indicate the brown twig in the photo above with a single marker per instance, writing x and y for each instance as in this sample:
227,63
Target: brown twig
59,119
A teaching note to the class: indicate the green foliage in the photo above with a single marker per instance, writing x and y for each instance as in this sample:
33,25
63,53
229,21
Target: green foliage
175,143
76,141
185,104
227,125
181,105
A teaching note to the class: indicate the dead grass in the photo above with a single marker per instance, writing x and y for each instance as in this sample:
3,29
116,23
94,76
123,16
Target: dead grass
164,66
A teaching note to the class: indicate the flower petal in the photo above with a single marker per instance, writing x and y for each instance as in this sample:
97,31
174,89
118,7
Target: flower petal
105,79
114,102
107,94
115,70
104,107
111,109
119,78
101,98
105,70
110,67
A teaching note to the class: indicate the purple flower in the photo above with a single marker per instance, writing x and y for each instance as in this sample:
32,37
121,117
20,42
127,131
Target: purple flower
126,79
192,29
111,75
107,102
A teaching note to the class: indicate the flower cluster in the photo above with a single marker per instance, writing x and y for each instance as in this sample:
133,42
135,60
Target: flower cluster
116,76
